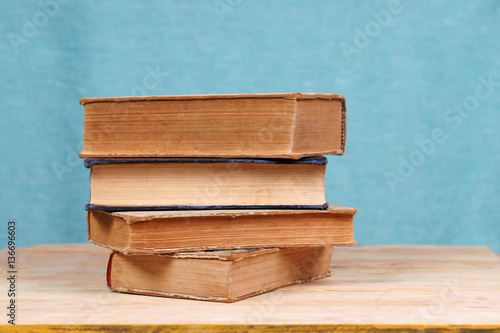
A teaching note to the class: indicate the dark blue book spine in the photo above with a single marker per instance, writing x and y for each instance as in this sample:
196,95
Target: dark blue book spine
317,160
153,208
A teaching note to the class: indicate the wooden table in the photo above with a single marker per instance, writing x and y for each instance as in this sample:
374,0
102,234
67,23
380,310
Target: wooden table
373,288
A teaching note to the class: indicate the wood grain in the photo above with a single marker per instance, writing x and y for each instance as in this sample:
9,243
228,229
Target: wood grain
373,289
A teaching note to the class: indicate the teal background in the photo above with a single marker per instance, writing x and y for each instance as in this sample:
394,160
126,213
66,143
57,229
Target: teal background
402,81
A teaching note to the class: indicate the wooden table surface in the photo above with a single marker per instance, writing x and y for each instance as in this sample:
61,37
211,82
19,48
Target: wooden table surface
373,288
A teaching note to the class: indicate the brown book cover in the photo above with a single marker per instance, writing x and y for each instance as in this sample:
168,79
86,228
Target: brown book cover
252,125
221,276
153,232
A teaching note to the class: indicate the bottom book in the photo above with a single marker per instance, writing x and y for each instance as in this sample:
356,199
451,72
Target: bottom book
221,275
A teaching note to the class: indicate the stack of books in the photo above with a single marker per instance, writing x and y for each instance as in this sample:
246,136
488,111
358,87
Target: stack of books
214,197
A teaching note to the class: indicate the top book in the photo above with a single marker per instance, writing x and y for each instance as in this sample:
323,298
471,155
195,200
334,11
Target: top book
253,126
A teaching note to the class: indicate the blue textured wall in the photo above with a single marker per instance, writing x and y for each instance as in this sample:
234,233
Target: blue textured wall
421,80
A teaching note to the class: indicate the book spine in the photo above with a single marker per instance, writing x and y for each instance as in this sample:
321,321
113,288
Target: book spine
108,273
110,209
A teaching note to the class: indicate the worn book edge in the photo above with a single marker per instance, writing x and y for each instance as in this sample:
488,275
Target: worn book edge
202,298
143,216
289,96
215,299
296,96
152,251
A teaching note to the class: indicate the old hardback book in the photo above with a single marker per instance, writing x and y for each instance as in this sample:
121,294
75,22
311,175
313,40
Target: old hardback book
152,232
253,125
183,183
221,276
